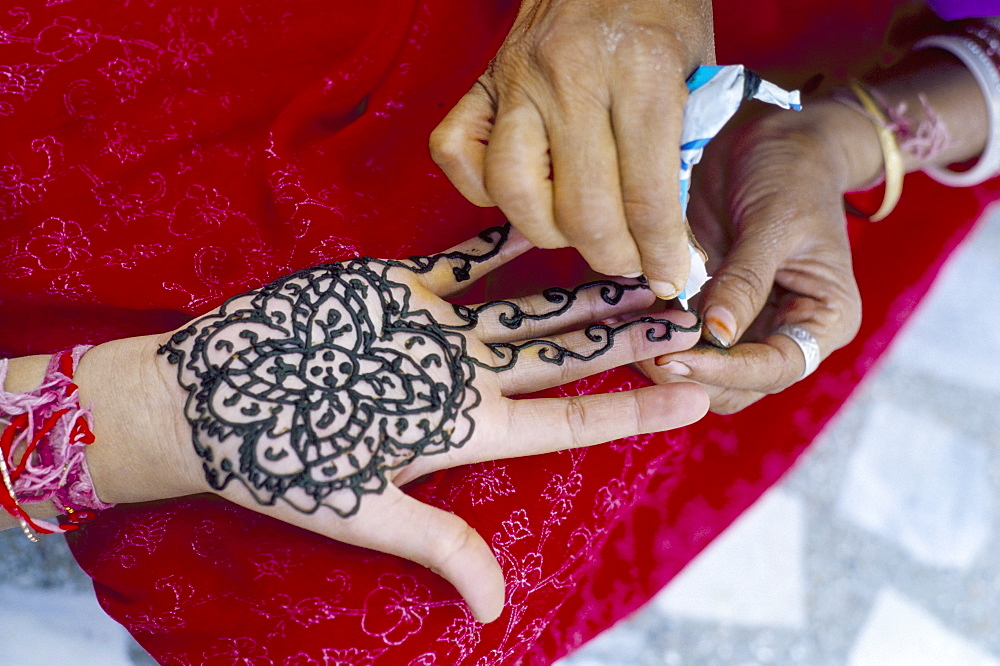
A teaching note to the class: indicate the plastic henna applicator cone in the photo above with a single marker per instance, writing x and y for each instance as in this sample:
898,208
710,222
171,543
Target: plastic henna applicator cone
715,95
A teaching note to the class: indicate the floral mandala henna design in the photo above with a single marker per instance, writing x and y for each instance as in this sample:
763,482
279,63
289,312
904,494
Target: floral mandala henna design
303,392
312,389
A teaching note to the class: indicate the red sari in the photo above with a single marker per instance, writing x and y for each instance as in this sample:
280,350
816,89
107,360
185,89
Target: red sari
161,156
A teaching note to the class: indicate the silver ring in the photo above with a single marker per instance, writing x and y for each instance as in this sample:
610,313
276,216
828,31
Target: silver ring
807,345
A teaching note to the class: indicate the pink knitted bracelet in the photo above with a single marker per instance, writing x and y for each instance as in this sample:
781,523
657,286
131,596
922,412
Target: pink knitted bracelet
49,429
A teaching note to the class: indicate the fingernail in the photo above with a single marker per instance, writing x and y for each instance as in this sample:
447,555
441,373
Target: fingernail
673,367
721,325
664,290
633,276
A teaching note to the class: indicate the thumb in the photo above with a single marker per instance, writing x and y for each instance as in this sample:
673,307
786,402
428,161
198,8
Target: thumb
440,541
741,285
458,143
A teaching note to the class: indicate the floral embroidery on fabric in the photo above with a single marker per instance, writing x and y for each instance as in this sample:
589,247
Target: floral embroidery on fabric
21,80
337,657
242,651
59,243
67,38
396,608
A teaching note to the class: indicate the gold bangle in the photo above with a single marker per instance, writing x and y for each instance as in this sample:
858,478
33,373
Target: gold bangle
892,158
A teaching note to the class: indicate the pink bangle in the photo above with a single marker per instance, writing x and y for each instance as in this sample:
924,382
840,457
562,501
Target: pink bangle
52,429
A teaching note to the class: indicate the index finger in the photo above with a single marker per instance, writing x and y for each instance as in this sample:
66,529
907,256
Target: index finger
647,118
587,189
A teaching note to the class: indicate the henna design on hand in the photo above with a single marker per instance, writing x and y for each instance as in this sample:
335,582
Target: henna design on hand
603,334
311,390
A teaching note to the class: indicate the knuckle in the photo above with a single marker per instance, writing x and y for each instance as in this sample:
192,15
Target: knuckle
838,314
585,226
647,212
635,414
459,537
791,370
653,49
507,188
724,407
445,147
582,228
510,61
853,324
595,305
646,45
564,44
576,420
526,306
546,241
842,325
568,372
633,341
522,202
850,314
745,282
605,251
613,266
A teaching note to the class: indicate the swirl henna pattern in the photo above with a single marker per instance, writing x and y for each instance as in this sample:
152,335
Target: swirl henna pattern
312,389
513,317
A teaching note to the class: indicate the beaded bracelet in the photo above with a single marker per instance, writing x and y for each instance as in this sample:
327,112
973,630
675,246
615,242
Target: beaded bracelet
978,50
51,430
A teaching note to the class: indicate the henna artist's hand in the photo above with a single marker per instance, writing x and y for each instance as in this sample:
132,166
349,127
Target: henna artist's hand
593,94
315,398
767,205
768,208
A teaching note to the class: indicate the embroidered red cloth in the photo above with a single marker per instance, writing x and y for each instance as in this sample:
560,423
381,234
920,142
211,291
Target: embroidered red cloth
160,156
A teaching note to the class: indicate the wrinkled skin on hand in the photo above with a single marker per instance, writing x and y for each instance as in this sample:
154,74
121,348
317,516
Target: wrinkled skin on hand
593,94
314,398
767,204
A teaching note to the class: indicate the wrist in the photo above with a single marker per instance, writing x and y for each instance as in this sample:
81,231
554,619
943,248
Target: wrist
138,452
829,134
935,80
851,145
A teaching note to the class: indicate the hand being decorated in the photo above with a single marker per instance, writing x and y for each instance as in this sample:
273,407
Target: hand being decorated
315,398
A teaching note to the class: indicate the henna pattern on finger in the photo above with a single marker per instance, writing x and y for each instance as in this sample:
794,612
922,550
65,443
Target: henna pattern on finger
512,316
494,237
312,389
603,335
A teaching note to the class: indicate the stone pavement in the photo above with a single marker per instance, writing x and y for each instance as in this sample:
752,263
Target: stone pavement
878,549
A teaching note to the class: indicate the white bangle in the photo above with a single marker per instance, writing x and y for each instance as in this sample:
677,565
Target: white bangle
988,78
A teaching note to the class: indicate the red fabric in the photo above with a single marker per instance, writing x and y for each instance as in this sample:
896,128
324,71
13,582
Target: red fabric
158,158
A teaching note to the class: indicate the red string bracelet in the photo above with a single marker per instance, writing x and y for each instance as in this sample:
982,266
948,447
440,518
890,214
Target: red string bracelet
42,448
